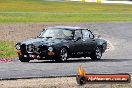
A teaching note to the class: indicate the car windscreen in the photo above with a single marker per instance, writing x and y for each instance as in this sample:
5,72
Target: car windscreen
57,33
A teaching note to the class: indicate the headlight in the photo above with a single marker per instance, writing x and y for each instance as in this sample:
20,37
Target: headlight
50,49
18,47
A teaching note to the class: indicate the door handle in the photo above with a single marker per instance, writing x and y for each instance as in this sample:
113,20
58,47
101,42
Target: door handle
93,39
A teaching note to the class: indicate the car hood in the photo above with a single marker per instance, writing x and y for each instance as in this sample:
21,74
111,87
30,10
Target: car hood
43,41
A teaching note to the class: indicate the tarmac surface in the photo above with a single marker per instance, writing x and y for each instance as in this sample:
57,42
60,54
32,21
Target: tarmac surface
116,60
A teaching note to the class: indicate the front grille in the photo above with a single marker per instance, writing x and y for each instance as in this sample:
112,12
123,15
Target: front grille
30,48
34,49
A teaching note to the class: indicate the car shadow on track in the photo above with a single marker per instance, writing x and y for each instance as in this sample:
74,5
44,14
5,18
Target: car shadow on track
85,61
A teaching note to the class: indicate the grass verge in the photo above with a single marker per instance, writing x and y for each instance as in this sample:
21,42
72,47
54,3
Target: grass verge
63,17
7,49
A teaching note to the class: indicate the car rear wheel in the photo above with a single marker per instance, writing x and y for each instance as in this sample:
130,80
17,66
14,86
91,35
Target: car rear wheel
97,54
63,56
23,59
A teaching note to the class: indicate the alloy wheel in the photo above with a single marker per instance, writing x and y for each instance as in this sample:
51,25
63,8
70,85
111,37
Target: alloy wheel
63,54
98,53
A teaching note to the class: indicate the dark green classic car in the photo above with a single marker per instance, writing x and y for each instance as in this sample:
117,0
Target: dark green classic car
61,43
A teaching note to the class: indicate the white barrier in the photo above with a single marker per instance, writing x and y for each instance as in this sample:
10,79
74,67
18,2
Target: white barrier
106,1
117,2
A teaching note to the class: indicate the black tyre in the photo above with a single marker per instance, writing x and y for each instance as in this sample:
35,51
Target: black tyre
63,55
23,59
97,54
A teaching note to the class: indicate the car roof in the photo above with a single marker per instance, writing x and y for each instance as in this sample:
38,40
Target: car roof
68,27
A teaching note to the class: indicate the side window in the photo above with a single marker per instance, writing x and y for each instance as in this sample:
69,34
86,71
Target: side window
87,34
78,34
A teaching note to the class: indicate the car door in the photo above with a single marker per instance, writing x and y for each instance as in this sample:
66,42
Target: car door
76,44
88,40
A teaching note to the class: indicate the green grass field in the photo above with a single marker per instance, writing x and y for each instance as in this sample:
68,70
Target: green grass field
7,49
44,11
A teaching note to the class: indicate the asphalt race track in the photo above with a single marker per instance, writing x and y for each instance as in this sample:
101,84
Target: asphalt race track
117,60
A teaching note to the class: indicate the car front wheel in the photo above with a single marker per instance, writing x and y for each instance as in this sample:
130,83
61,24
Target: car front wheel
23,59
97,54
63,56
